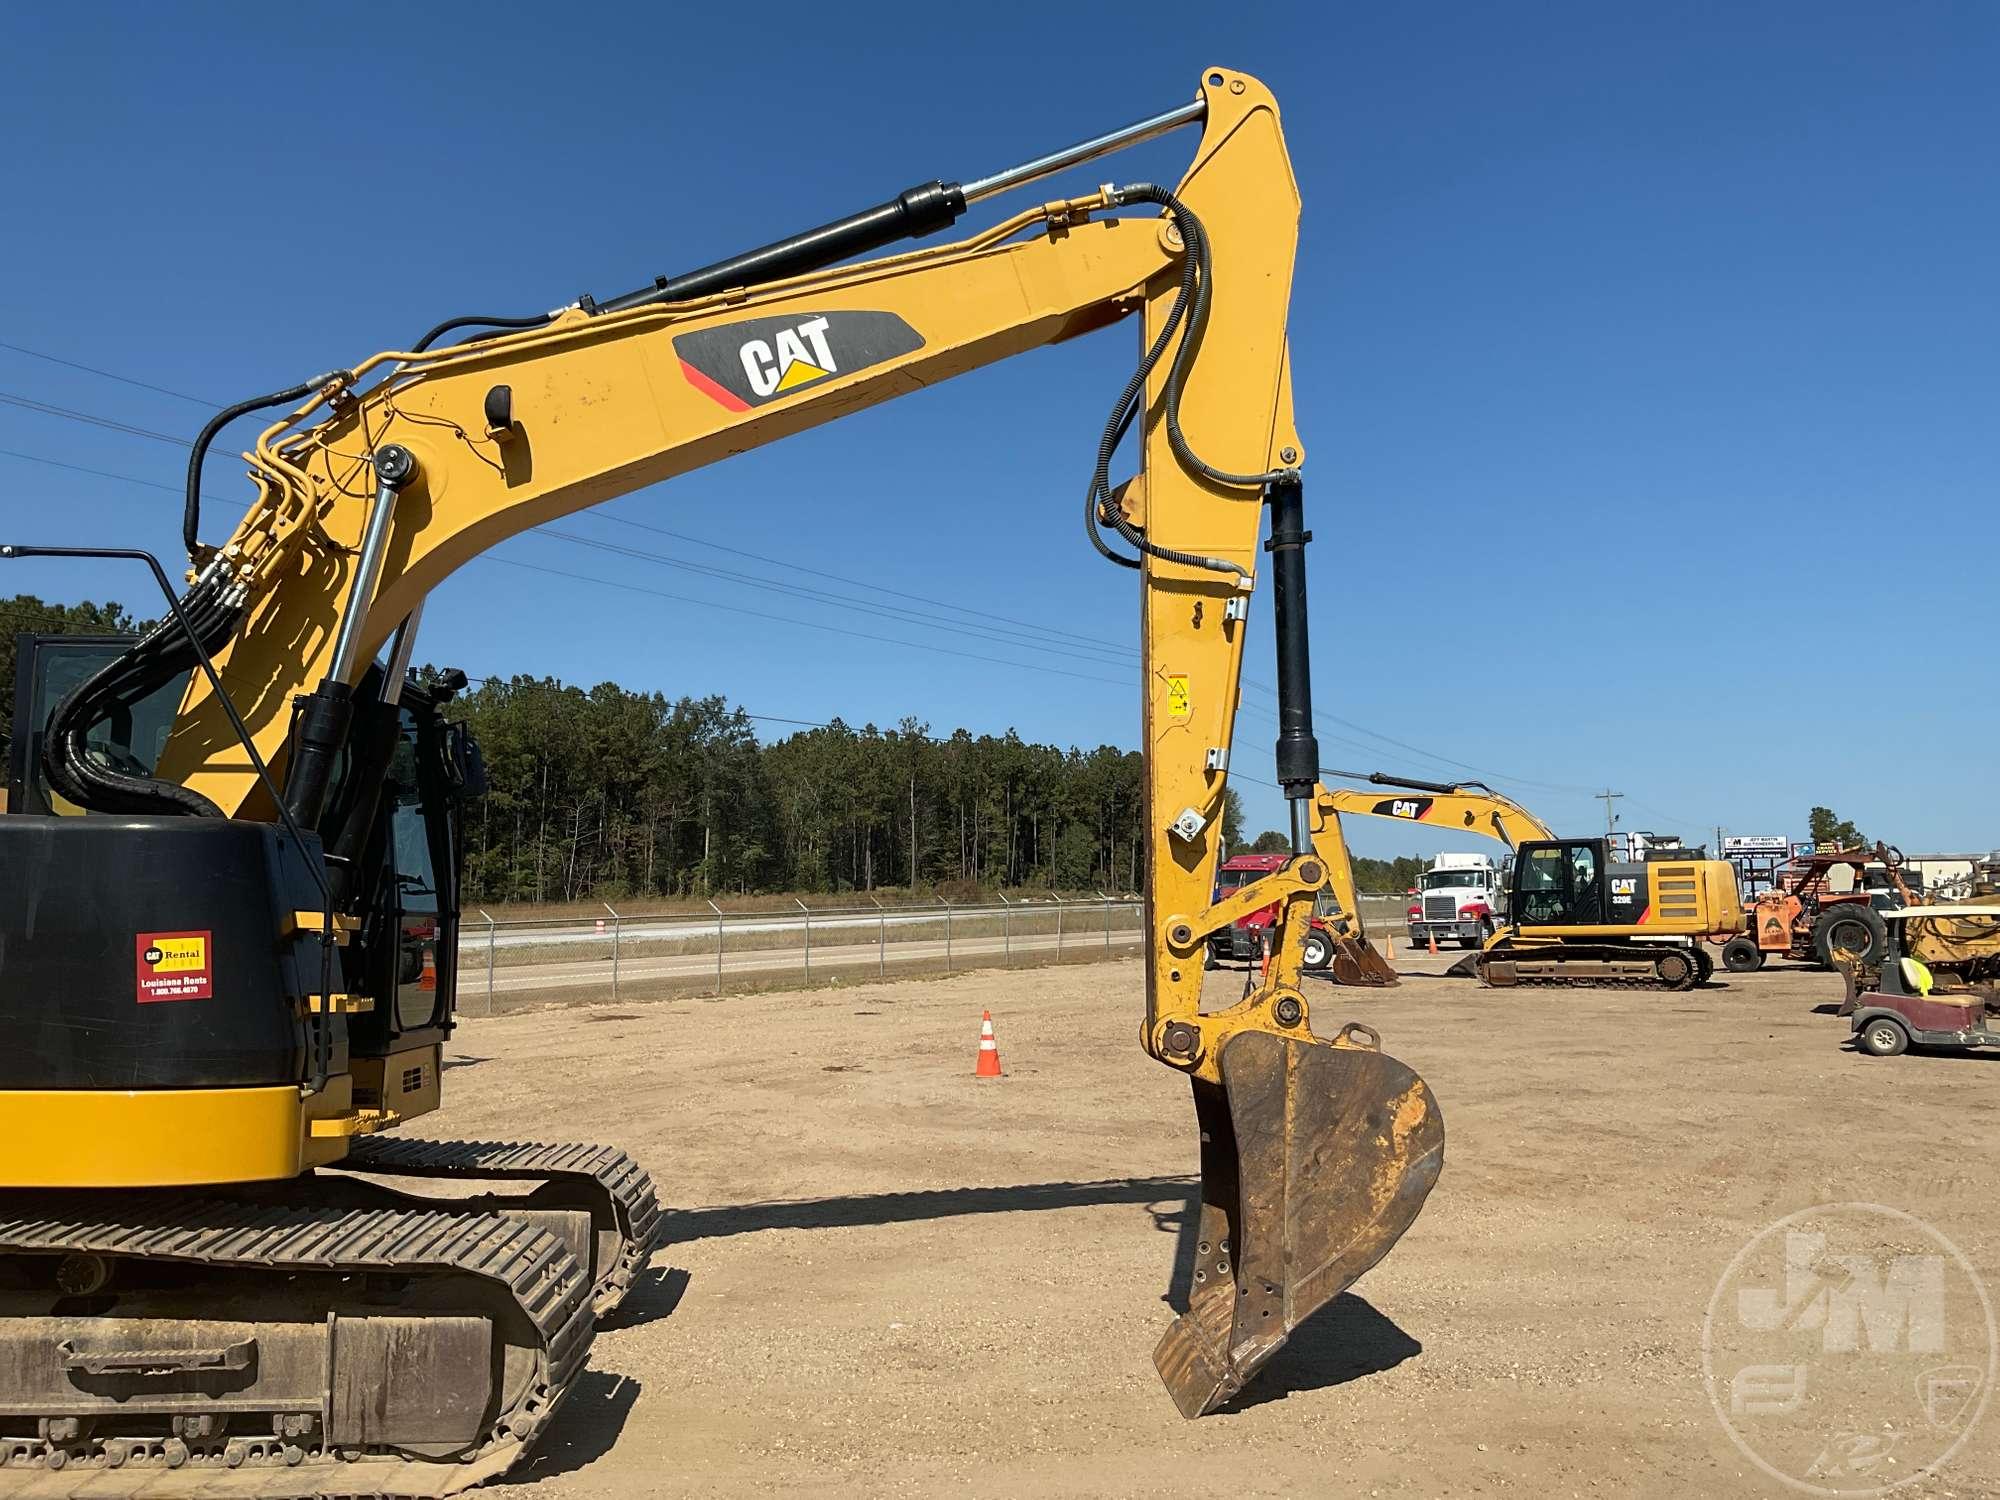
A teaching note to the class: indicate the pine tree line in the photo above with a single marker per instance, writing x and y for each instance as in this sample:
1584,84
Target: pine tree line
605,793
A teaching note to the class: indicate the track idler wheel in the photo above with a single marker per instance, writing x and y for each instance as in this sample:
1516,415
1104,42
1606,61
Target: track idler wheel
1315,1157
1676,970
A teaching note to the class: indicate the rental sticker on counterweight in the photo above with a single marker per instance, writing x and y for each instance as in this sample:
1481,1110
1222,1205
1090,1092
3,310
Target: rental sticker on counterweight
174,966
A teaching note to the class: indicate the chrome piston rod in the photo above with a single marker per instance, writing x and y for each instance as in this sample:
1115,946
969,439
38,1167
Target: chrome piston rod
1136,134
910,215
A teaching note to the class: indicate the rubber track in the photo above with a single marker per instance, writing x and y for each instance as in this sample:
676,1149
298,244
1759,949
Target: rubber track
1587,984
621,1179
1553,982
530,1264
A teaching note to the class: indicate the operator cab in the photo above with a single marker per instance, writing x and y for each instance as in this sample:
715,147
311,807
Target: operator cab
1565,883
403,892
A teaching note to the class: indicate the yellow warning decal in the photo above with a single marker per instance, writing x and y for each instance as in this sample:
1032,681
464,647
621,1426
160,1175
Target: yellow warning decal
1177,695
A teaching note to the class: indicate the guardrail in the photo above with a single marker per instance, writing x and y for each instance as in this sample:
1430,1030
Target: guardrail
624,955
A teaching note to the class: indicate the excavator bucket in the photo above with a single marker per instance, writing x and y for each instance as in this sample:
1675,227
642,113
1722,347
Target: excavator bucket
1315,1157
1356,962
1467,967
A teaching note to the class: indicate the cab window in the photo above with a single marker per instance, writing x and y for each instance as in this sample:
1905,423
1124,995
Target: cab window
129,741
1542,870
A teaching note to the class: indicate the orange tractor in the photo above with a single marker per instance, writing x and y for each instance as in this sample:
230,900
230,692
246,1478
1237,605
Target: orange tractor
1826,909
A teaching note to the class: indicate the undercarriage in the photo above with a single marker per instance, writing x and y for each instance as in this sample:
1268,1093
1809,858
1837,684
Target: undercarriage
331,1335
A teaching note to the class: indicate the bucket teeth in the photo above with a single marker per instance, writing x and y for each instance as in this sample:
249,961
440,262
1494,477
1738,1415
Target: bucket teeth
1315,1158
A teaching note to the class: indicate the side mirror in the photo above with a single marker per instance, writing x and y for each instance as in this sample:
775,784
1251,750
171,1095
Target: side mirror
468,766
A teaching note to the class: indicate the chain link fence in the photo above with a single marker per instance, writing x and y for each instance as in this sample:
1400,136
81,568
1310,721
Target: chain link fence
612,955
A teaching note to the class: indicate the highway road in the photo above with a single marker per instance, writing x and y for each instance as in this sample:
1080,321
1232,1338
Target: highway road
474,937
635,972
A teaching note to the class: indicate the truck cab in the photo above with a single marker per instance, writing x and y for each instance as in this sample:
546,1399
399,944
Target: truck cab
1248,938
1461,898
1245,939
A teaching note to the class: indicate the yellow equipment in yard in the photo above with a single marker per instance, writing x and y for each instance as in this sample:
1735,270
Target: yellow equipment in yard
1339,942
219,998
1577,916
1574,915
1443,805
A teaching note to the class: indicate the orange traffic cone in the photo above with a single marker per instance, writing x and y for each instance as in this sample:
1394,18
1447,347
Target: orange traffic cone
1434,944
989,1050
1389,945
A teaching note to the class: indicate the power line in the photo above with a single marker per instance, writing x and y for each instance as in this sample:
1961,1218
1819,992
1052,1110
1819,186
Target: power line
57,463
144,385
48,409
147,385
744,712
737,609
778,562
819,596
1610,817
771,585
828,723
1669,818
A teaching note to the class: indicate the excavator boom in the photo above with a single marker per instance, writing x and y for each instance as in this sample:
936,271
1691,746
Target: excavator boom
380,481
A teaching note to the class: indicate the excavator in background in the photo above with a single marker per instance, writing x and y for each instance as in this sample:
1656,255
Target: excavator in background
228,980
1575,915
1578,916
1337,937
1469,805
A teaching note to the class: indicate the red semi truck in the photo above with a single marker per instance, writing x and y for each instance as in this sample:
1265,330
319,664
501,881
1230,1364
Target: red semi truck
1248,938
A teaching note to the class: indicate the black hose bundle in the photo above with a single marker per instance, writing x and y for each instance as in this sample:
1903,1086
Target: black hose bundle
160,655
1191,304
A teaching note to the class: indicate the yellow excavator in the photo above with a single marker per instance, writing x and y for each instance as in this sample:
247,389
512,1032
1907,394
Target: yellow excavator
1575,913
228,981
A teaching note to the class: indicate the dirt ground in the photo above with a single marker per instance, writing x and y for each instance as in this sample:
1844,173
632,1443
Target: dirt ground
889,1278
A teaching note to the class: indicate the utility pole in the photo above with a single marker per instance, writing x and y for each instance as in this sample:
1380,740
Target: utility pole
1610,820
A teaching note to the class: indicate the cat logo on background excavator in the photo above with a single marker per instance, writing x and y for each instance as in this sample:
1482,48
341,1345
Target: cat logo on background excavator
744,365
1403,807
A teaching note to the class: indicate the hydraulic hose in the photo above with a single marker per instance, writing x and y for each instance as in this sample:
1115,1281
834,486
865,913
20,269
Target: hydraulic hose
191,513
473,322
1191,305
155,659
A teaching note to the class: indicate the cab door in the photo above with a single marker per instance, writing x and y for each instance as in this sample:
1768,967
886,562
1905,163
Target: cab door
1559,885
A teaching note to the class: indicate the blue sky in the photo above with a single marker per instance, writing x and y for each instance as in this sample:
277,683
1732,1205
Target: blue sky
1648,356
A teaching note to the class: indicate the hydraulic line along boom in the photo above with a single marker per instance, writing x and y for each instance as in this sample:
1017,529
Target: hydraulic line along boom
911,214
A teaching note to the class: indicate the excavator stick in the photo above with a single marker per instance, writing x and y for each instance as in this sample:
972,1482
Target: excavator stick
1315,1157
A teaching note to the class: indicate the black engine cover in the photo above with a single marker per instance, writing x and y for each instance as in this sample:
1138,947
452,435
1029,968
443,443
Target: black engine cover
147,953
